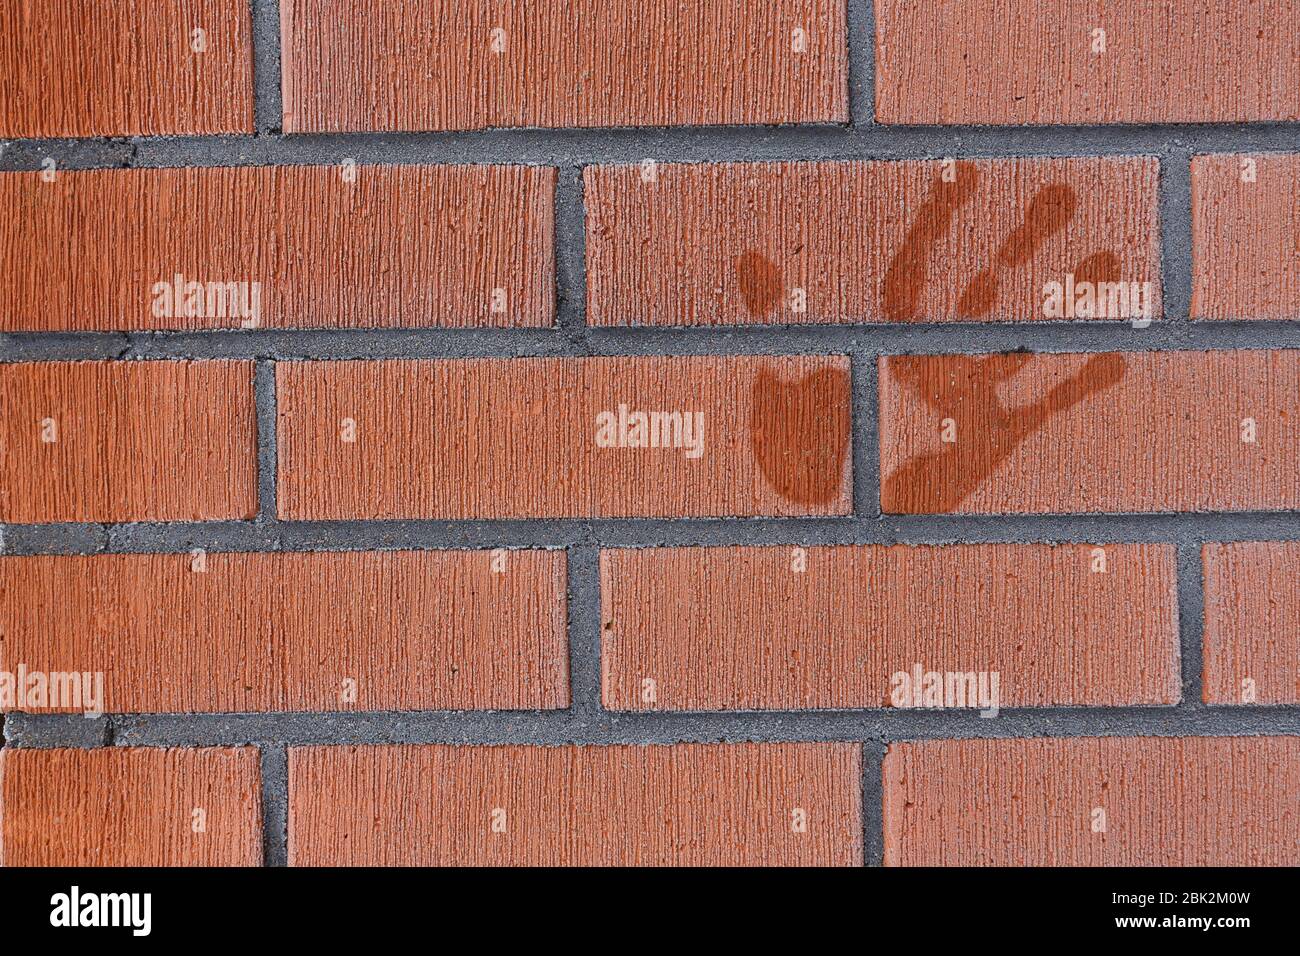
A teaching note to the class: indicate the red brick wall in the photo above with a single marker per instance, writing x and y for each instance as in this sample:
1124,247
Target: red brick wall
705,432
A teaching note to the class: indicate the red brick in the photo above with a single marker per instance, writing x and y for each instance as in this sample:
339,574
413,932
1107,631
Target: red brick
128,807
127,441
863,241
1245,237
396,246
1108,432
431,65
1033,61
1252,623
517,438
687,804
1196,801
414,630
741,629
126,68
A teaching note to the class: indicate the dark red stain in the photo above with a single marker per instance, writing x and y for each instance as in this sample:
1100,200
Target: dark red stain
800,433
905,278
1048,213
964,388
1098,267
760,282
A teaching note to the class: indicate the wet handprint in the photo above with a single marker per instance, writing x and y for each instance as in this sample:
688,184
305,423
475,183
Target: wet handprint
962,391
760,282
979,433
800,433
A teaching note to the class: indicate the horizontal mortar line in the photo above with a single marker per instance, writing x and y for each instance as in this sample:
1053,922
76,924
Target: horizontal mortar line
864,339
420,534
568,727
583,146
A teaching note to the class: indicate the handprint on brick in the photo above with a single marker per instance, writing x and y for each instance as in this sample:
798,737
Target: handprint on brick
986,432
963,390
799,433
1049,212
906,276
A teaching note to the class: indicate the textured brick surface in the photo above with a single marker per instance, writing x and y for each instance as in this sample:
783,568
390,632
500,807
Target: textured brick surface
126,68
1195,801
1040,61
127,441
124,807
1246,237
863,241
328,246
519,438
1109,432
1252,623
446,64
513,423
741,628
688,804
237,633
